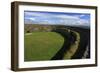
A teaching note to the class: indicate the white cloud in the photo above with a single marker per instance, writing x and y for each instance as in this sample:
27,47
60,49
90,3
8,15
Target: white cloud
82,15
63,19
48,15
33,14
67,17
83,22
33,19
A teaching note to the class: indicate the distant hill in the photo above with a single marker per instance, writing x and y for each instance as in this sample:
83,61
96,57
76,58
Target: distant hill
41,27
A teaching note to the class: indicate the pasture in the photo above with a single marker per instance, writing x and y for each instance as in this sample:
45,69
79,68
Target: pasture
41,45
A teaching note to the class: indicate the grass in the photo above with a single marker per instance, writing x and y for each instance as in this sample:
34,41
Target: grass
41,45
73,48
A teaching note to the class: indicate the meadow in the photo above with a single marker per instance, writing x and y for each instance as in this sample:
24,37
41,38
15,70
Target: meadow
42,45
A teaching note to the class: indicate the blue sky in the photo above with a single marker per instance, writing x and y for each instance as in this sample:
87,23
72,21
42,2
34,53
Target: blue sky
56,18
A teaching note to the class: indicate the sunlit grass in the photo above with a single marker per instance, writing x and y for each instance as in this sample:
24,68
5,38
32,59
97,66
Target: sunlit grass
41,45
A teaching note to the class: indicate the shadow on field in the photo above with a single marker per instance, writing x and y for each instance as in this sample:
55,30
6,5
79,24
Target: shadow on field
84,42
68,40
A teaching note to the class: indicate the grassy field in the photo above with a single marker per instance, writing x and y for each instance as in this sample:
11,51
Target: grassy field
41,45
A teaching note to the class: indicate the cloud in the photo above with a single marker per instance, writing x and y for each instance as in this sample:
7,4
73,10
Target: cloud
67,17
31,14
51,18
30,18
83,22
33,19
37,14
82,15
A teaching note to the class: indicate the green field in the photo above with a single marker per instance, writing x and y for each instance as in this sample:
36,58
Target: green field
41,45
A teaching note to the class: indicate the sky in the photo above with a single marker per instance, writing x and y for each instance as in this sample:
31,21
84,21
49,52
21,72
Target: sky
56,18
